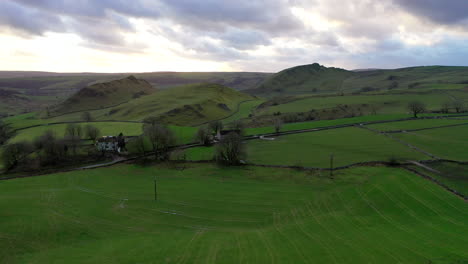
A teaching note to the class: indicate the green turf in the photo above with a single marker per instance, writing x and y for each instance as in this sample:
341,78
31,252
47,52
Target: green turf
200,153
323,123
384,104
417,124
448,143
454,175
241,215
245,109
313,149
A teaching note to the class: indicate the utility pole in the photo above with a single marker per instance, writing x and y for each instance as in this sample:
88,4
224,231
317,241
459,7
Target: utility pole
155,189
331,165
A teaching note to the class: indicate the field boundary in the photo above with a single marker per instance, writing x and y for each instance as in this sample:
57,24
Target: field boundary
427,177
421,129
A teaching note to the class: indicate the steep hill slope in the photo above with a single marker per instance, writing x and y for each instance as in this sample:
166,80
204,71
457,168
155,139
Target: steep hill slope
102,95
183,105
48,88
312,78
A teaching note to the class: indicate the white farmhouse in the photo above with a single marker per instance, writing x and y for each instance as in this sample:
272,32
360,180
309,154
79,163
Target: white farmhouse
107,143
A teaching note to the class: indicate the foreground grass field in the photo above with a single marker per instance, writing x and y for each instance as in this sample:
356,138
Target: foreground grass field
349,145
241,215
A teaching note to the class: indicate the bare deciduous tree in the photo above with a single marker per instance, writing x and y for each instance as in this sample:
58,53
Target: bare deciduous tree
73,130
445,108
15,153
49,149
416,108
278,123
238,125
139,145
459,106
161,139
203,136
92,132
87,117
216,126
72,138
230,150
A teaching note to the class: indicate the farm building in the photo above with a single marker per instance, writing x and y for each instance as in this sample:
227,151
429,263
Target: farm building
223,133
111,143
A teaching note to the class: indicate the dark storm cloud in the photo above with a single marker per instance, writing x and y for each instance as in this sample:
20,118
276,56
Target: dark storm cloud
16,17
239,25
270,16
95,8
440,11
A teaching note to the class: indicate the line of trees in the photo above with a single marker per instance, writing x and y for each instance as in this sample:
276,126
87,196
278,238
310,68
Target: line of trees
48,149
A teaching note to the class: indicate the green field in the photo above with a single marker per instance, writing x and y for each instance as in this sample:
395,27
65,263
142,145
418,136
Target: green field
323,123
448,143
241,215
451,174
384,104
349,145
244,110
417,124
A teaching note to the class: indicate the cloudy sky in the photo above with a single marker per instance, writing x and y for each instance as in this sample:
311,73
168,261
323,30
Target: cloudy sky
230,35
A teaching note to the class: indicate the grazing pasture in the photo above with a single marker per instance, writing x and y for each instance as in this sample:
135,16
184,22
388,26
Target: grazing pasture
417,124
448,143
349,145
205,214
383,104
454,175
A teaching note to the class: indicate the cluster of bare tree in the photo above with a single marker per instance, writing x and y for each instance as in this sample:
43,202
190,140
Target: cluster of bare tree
230,150
457,105
48,149
416,107
158,136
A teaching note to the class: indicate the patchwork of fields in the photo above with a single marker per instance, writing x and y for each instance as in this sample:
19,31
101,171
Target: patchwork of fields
175,212
241,215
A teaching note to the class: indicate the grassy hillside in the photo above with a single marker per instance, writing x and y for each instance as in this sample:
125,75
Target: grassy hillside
414,78
183,105
314,78
241,215
40,89
361,104
105,94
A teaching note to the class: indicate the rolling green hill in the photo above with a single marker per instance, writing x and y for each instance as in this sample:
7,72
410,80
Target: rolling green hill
317,79
183,105
102,95
36,90
313,78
